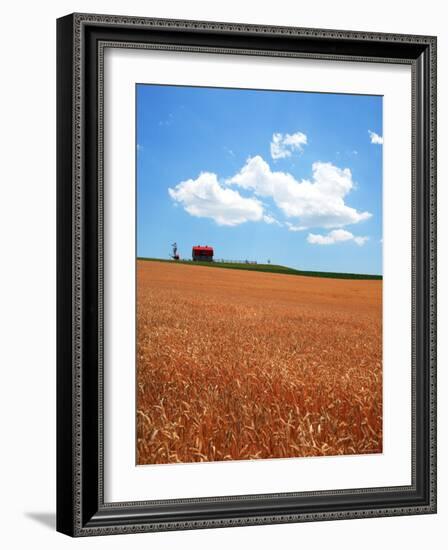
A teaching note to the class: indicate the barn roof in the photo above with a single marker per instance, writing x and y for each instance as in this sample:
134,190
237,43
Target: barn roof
203,248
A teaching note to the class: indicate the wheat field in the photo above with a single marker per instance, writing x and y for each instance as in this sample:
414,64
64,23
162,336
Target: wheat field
235,365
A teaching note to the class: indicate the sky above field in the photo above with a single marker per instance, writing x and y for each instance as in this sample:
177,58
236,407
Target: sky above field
290,177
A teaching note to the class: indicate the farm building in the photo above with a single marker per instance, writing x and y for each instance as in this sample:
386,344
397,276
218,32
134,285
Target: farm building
202,254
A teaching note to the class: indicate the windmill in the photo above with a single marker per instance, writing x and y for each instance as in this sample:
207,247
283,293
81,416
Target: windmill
174,254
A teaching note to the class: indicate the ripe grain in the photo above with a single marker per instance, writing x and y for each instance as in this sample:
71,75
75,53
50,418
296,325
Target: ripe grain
235,365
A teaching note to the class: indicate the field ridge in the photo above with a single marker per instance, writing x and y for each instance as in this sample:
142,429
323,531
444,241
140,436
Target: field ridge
271,268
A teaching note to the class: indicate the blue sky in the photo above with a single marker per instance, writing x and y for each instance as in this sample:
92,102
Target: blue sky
293,177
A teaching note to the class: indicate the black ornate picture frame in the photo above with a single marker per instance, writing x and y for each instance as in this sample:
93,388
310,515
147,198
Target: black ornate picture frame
81,508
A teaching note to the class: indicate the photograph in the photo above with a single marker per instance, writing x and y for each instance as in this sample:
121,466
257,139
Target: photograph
246,272
223,236
259,277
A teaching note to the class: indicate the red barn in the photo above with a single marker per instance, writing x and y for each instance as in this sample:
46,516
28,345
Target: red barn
202,254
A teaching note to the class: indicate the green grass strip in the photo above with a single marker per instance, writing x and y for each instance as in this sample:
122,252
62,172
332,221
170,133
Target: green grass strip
271,268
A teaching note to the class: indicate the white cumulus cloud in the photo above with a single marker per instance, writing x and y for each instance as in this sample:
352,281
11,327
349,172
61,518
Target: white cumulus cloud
335,236
204,197
318,202
283,145
375,138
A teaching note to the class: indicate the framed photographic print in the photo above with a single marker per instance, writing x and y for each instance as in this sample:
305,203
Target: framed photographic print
246,274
